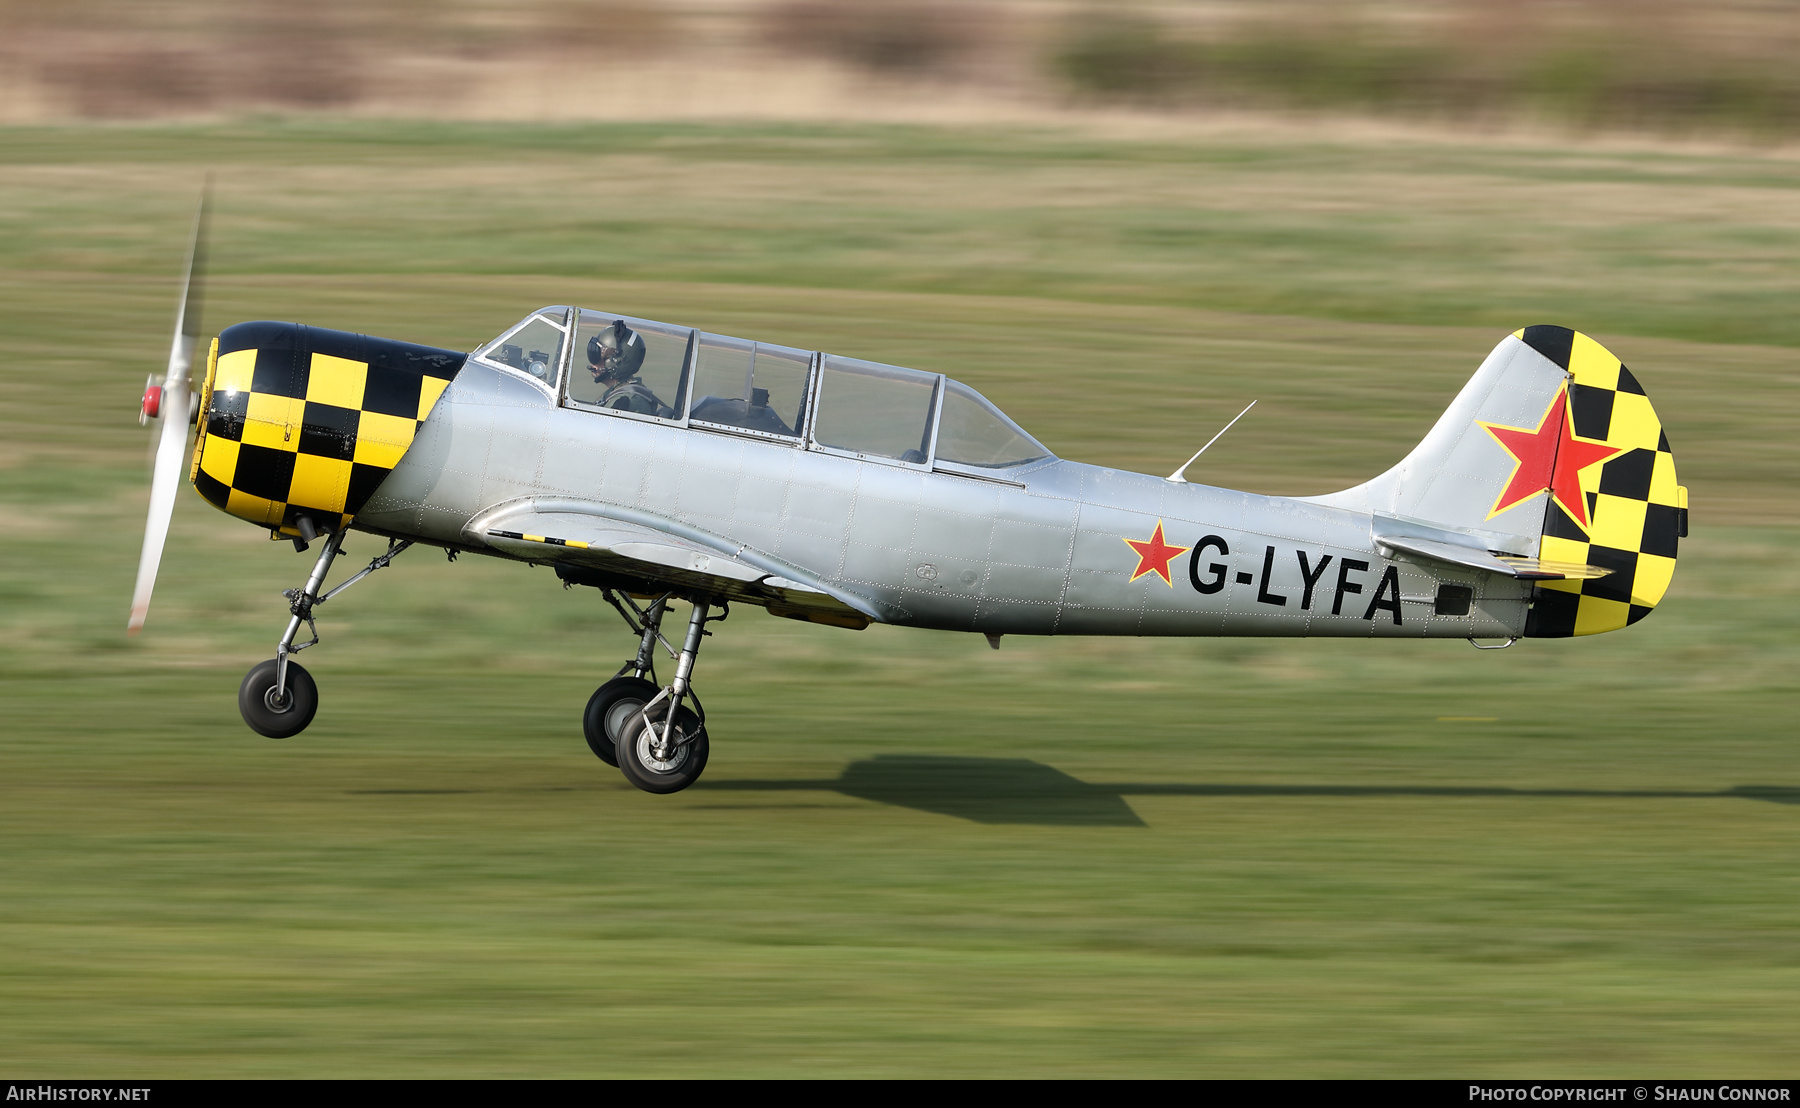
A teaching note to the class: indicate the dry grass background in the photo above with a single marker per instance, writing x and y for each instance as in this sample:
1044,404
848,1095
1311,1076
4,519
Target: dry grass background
1700,72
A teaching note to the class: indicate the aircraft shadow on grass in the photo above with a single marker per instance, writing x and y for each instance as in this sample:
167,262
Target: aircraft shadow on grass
1018,790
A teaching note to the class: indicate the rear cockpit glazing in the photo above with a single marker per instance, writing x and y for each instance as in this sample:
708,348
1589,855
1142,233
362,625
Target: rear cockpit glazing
875,411
752,386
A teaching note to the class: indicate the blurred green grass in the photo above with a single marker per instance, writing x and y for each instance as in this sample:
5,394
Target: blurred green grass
911,855
1685,246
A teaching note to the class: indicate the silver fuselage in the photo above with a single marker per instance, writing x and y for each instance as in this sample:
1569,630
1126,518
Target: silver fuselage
1039,548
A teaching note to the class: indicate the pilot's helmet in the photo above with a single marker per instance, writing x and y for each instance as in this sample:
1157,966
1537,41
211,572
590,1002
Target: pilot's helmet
618,351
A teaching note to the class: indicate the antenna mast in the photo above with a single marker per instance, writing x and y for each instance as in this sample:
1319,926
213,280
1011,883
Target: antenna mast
1179,476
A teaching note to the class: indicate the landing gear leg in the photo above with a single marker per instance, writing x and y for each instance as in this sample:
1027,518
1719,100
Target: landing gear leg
615,703
663,747
278,697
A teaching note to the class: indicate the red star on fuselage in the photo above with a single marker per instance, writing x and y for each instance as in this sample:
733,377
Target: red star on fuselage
1550,457
1154,556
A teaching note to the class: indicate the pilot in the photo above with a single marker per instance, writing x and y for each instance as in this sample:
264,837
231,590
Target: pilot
614,357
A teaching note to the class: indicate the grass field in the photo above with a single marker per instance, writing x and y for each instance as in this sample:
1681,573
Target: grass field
911,855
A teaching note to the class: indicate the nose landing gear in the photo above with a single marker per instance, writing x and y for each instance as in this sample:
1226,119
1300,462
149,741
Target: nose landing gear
658,743
278,697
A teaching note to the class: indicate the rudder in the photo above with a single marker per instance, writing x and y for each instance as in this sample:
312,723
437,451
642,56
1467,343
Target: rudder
1628,513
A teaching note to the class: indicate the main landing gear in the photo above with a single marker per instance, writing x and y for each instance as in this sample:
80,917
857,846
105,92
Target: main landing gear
644,729
278,697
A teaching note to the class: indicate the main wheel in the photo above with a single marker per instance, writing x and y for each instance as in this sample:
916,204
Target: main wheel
607,711
681,766
277,715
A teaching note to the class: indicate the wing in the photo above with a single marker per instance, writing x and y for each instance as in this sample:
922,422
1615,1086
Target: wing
638,552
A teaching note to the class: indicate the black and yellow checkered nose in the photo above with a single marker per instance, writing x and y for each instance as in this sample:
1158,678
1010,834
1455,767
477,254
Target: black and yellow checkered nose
301,421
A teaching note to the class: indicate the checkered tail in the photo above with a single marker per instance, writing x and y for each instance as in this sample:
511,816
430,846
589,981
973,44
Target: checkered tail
1636,512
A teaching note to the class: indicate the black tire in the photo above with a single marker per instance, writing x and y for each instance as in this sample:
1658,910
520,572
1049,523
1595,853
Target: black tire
639,766
266,715
615,701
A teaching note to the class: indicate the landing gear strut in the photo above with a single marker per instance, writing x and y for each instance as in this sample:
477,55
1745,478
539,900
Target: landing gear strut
656,741
632,687
278,697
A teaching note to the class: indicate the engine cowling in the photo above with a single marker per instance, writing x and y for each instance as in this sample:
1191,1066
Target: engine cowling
300,421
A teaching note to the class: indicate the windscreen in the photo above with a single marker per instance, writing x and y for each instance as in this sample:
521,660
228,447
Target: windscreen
534,346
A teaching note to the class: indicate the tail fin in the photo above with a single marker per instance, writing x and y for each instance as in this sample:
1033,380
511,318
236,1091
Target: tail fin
1551,453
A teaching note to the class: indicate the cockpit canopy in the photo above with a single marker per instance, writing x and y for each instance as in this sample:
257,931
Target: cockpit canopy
643,369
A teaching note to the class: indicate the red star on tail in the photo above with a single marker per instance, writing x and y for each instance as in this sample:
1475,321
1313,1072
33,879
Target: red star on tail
1154,556
1551,457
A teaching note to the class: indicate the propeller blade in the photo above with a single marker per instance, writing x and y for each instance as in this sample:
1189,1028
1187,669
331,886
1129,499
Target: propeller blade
187,313
171,453
175,411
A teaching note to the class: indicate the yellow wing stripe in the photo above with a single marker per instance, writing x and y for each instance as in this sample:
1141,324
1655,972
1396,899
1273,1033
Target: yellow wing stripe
573,544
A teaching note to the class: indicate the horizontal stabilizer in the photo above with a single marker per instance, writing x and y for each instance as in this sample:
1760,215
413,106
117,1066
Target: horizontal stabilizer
1541,569
1526,569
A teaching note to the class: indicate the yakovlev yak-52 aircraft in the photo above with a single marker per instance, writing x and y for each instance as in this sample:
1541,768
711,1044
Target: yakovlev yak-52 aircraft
656,462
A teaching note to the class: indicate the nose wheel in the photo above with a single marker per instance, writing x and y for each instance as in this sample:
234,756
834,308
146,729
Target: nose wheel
275,711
